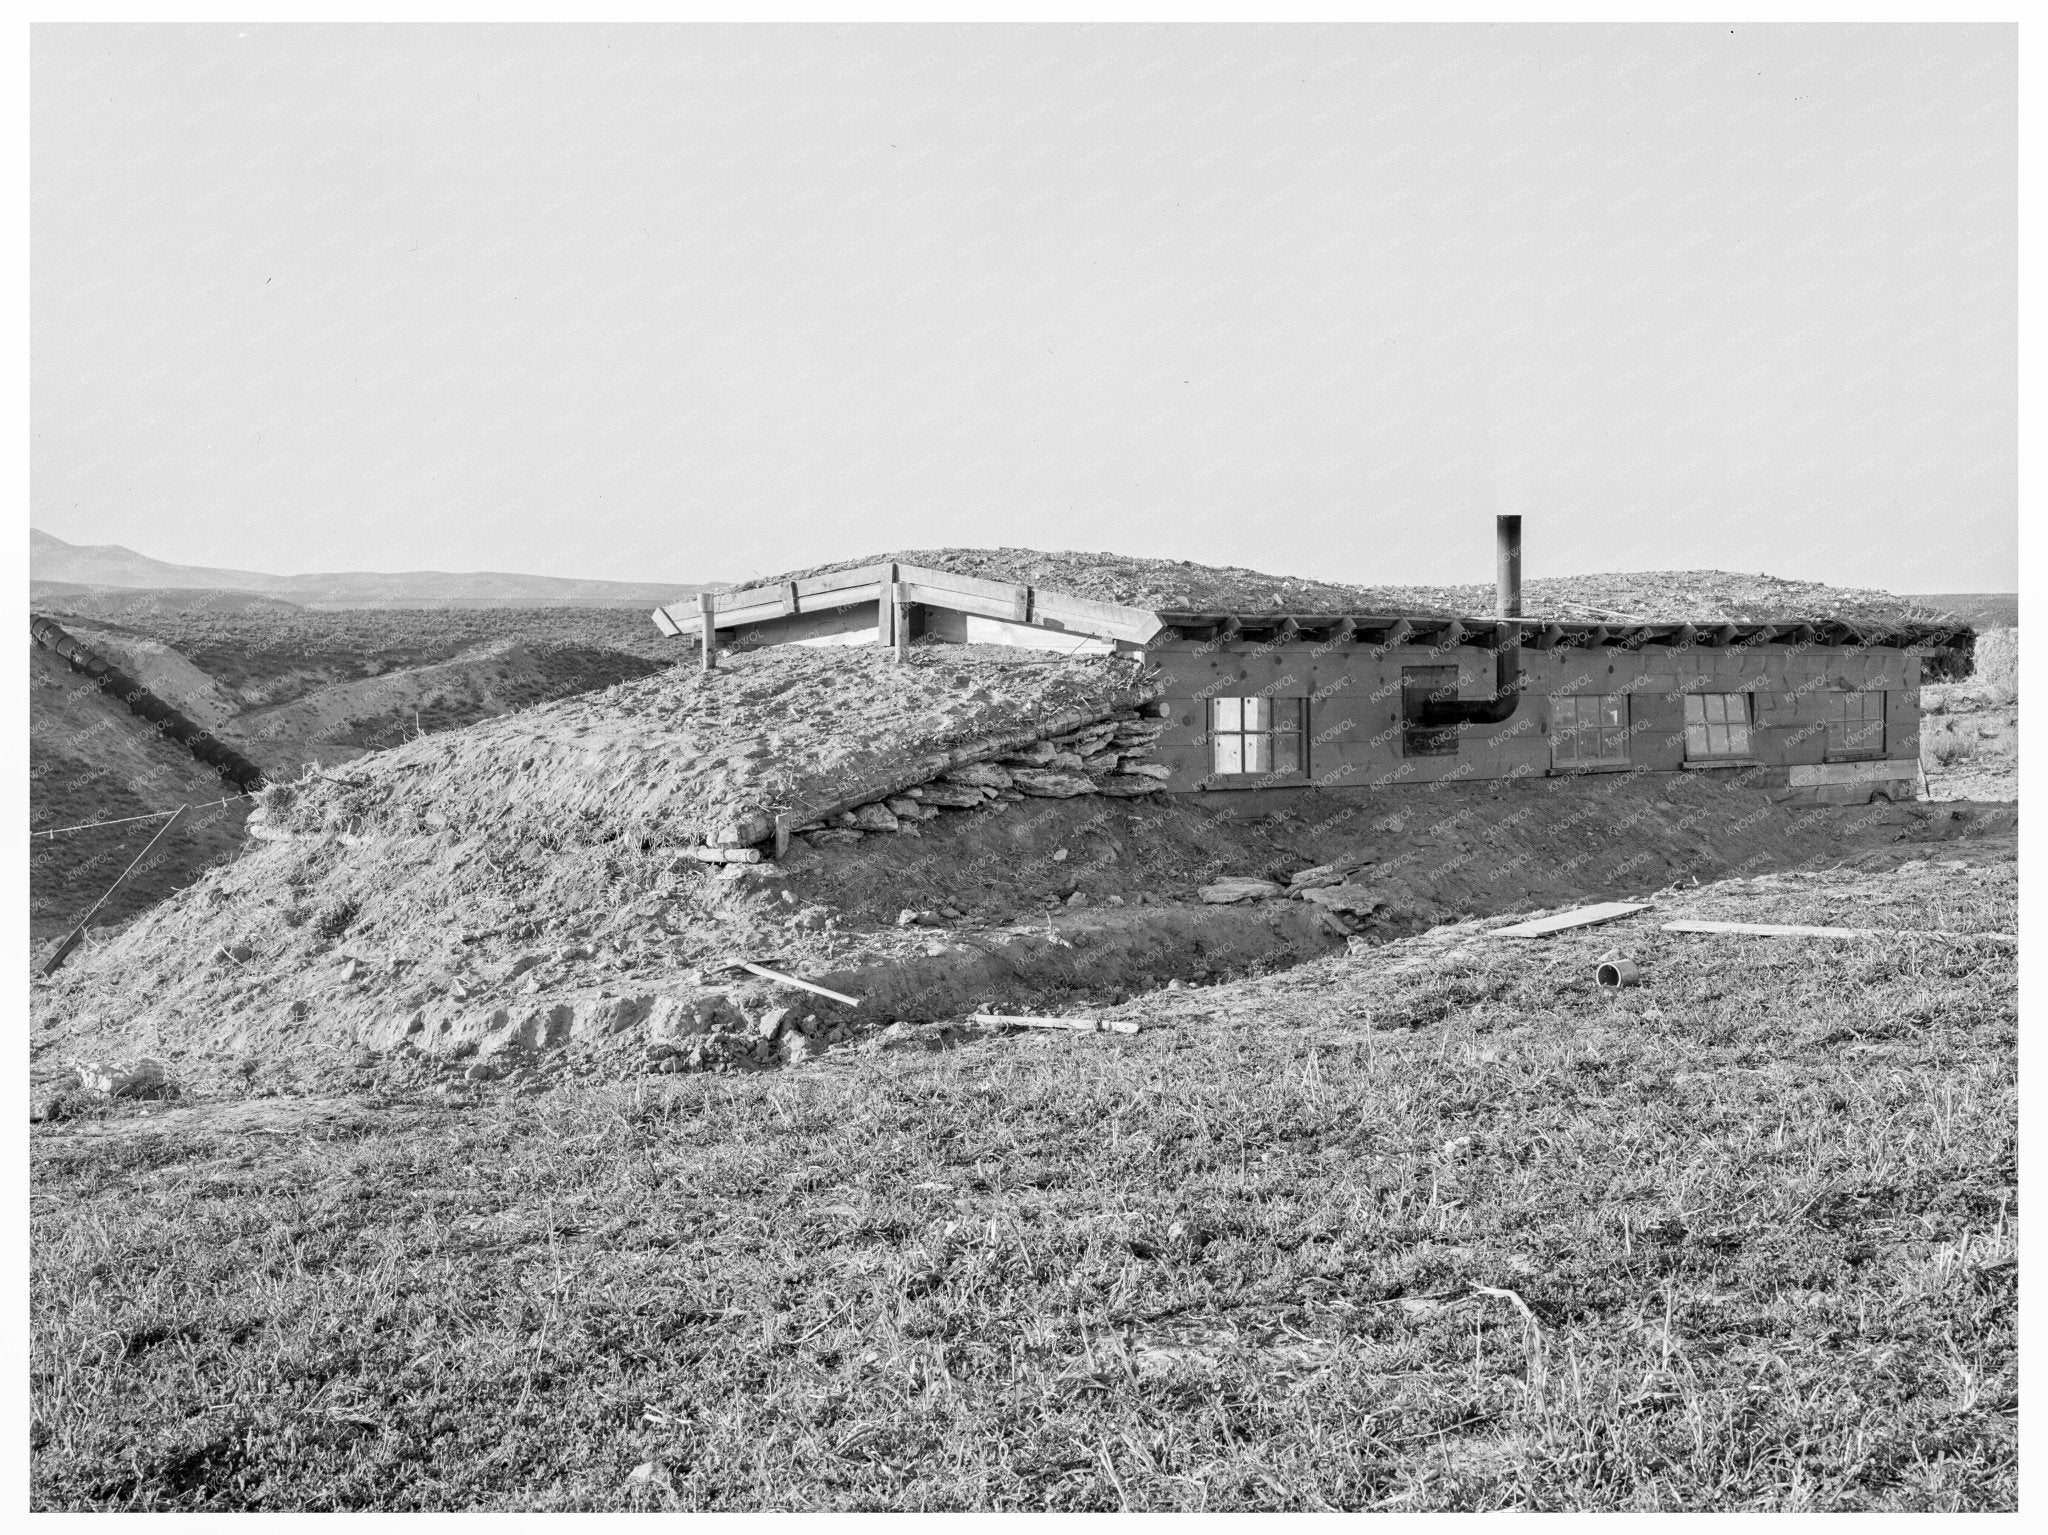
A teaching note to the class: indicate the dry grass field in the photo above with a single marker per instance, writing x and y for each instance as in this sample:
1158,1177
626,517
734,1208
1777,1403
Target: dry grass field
1441,1226
1969,731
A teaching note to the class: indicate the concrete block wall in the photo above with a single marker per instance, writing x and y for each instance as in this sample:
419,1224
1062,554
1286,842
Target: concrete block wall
1354,728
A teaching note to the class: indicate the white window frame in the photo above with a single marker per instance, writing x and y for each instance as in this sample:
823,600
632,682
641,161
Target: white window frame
1233,739
1569,730
1713,733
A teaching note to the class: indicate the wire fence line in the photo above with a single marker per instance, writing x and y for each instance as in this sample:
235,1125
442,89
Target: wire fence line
52,831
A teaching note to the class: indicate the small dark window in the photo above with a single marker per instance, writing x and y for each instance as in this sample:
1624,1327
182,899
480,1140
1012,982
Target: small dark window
1420,685
1855,724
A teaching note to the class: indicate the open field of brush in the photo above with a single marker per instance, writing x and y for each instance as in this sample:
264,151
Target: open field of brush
1442,1225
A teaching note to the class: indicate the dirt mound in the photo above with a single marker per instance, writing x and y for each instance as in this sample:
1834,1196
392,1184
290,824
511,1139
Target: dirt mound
671,758
341,722
1662,596
518,886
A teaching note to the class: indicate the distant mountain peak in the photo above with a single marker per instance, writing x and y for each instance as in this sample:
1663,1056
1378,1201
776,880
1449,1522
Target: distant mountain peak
54,559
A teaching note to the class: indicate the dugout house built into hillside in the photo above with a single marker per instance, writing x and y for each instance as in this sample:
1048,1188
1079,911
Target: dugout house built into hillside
1809,693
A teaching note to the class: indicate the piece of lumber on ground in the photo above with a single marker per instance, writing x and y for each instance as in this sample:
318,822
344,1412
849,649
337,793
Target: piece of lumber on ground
790,980
1580,916
1079,1025
705,854
1786,930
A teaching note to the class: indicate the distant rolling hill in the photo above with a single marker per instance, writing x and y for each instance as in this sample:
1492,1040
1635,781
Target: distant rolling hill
1983,610
54,564
142,601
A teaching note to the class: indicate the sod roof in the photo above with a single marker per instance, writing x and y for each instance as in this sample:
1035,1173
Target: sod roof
1662,596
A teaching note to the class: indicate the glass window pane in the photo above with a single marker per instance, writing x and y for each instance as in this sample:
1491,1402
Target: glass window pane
1229,754
1258,714
1228,714
1287,752
1258,754
1695,740
1610,709
1738,740
1695,708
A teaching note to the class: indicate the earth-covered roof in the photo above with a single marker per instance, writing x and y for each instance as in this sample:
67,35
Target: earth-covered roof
1172,587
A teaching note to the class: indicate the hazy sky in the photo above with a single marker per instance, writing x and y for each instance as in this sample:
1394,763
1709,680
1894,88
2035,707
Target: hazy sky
682,303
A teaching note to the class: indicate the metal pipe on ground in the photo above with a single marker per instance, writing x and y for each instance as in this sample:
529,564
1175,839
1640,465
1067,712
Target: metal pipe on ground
1618,972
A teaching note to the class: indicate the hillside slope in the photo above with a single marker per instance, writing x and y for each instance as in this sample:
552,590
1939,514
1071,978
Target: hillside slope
91,760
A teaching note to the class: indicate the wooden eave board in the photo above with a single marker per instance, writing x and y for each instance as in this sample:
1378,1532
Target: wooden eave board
1564,921
970,594
1632,635
1108,619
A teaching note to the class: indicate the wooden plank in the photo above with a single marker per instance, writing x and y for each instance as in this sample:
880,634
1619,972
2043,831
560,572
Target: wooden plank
1078,1025
1105,618
790,980
752,604
776,606
840,596
1854,772
1012,600
1788,930
962,602
1581,916
841,580
666,623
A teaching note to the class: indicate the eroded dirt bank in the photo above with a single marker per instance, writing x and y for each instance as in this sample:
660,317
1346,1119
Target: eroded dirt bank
618,956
